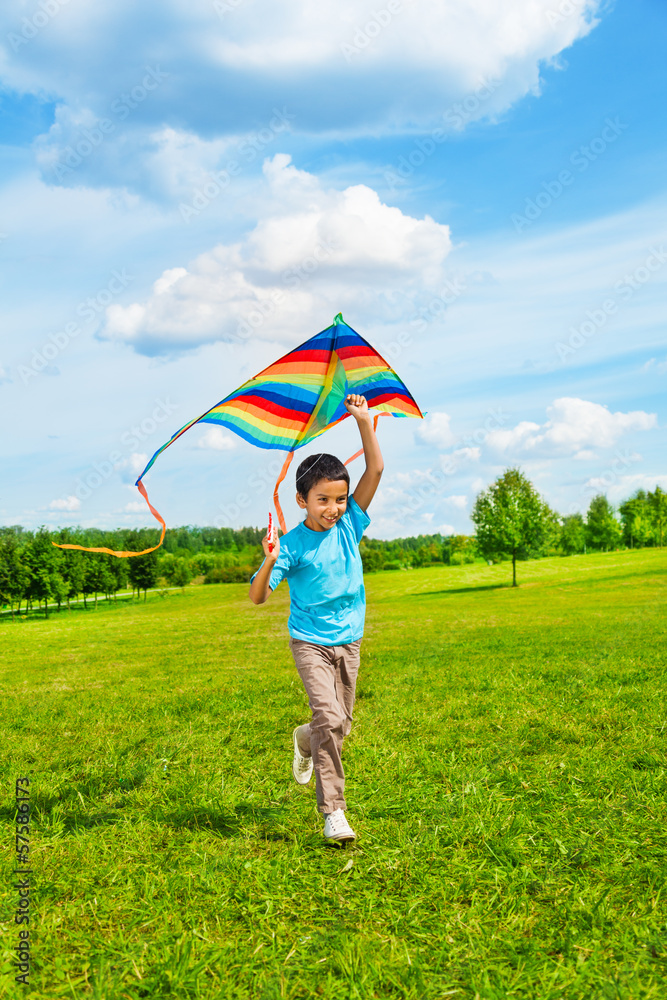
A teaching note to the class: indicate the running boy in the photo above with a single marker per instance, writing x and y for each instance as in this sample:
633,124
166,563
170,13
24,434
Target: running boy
320,558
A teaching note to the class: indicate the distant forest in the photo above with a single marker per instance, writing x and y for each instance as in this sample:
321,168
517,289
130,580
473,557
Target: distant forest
34,572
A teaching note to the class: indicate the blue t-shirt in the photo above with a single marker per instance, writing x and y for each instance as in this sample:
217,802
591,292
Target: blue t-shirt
325,577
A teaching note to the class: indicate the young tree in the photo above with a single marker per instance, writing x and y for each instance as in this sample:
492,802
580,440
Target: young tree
71,563
167,563
573,534
59,588
143,572
181,574
41,560
657,502
553,526
636,518
459,549
13,570
602,529
117,574
511,518
74,572
98,578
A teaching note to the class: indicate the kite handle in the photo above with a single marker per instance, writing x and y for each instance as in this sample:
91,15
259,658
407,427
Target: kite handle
361,450
125,555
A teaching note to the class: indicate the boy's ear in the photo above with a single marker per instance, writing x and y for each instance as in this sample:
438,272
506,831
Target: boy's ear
301,502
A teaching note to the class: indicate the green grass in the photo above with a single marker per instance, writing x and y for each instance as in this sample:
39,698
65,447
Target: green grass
506,776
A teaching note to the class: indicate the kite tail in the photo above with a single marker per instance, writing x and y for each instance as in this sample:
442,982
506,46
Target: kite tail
125,555
276,501
361,450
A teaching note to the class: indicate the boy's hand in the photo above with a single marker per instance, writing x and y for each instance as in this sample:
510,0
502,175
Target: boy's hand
275,542
356,405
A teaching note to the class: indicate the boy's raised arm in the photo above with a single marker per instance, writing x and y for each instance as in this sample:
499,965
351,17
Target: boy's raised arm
370,480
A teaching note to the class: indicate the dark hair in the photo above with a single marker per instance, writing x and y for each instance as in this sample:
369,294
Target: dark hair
312,469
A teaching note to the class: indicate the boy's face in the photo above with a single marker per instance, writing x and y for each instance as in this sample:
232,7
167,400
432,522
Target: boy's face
325,504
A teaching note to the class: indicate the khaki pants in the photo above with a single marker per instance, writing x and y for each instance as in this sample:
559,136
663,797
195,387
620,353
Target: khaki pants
329,675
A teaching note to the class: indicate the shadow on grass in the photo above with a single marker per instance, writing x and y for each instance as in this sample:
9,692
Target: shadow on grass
463,590
264,821
544,583
243,815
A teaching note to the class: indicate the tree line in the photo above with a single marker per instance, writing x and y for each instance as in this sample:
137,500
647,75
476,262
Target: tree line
512,521
34,572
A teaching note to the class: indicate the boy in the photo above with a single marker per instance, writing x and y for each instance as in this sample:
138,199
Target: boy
320,558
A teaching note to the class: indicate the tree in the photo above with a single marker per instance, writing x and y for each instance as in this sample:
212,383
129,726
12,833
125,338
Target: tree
511,518
657,502
143,572
181,574
602,529
637,521
372,558
459,549
13,570
98,579
72,564
118,573
573,535
41,561
550,543
74,573
59,588
427,555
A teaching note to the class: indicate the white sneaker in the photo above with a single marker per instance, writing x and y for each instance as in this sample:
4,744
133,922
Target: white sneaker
302,767
336,827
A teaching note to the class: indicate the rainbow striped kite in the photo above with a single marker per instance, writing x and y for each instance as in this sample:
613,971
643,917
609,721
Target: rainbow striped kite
299,397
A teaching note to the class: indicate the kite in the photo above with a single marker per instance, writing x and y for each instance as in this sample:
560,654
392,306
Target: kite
294,400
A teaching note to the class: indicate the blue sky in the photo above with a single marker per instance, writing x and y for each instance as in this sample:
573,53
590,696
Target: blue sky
482,185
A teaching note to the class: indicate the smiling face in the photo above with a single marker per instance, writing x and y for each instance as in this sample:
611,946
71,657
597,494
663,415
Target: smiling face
325,504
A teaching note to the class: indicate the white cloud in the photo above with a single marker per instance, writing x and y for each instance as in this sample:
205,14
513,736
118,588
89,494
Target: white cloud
135,507
344,67
574,426
70,504
435,430
314,252
460,501
216,440
660,367
413,479
136,463
410,503
619,488
452,461
162,163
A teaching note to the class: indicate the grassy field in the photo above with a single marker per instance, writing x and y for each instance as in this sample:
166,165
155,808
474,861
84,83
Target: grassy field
506,776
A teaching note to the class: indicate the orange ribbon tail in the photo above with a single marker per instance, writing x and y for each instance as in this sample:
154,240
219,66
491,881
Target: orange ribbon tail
276,501
125,555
